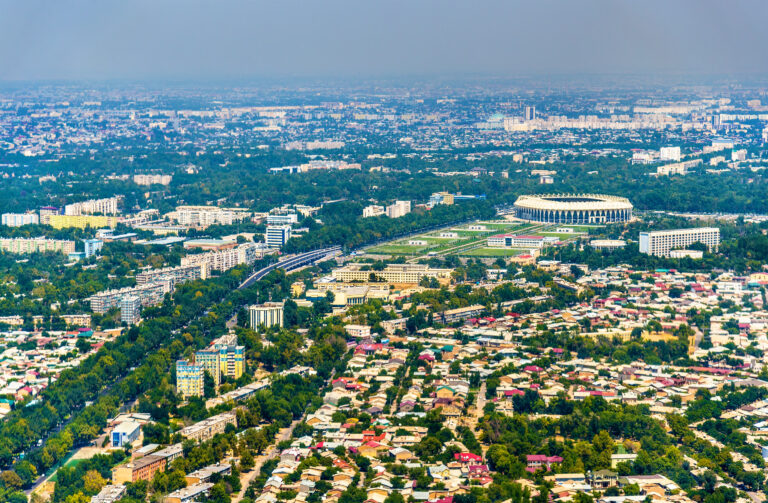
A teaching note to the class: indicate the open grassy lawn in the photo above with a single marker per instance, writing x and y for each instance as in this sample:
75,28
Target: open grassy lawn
492,252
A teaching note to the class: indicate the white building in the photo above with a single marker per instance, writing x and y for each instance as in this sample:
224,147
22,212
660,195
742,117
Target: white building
107,206
660,243
268,314
513,241
205,216
287,219
92,247
373,210
130,309
398,209
670,153
246,253
19,219
277,235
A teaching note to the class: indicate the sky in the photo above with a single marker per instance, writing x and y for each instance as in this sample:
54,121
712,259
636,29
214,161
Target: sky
225,39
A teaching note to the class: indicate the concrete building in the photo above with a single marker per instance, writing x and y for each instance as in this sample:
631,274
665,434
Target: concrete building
189,494
398,209
189,379
287,219
150,294
394,273
277,235
130,309
205,216
19,219
246,253
269,314
669,153
140,469
573,208
514,241
661,243
373,210
125,433
36,245
110,494
174,275
152,179
92,247
82,221
607,244
107,206
207,428
440,198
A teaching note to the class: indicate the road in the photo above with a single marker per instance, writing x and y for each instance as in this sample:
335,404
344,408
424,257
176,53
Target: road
270,453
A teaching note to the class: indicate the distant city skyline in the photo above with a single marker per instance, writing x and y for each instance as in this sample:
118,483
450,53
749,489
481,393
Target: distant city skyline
174,39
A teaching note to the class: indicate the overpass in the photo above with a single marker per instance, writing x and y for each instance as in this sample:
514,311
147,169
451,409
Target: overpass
291,263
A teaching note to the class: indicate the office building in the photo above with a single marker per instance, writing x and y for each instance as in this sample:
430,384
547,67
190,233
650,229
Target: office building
82,221
277,235
440,198
287,219
661,243
398,209
269,314
530,113
106,206
92,247
513,241
36,245
124,433
189,379
130,309
19,219
393,273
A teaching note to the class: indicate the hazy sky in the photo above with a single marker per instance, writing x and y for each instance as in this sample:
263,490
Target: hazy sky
221,39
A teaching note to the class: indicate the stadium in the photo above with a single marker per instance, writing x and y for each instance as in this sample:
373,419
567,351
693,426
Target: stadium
573,209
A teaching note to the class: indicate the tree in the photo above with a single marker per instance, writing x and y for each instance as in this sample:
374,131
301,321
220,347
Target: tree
93,481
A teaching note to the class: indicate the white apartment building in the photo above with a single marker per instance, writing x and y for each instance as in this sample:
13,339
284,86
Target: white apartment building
669,153
106,206
373,210
205,216
19,219
398,209
660,243
268,314
246,253
152,179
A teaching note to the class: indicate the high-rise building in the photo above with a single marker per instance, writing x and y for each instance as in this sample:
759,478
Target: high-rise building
130,309
660,243
46,212
268,314
205,216
107,206
189,379
175,275
398,209
92,247
19,219
374,210
530,113
277,235
209,360
287,219
669,153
